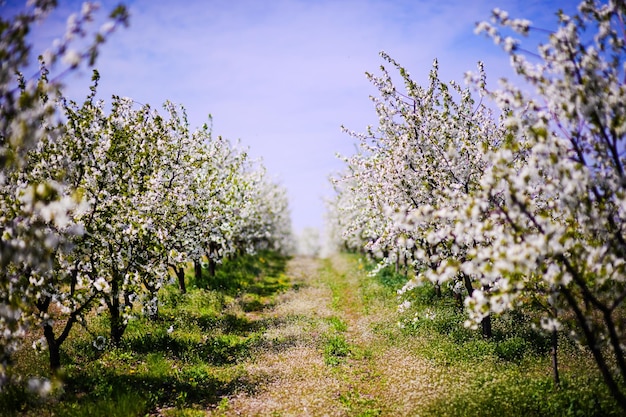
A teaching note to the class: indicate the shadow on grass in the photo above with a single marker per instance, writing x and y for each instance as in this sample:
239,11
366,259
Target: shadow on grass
260,274
216,349
192,387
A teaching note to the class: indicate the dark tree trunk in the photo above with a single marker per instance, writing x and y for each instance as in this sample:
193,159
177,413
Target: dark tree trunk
54,348
438,290
180,274
486,326
117,326
468,285
596,351
553,353
406,266
197,269
54,343
486,323
212,267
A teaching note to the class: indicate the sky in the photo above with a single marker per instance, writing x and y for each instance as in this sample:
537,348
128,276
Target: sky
283,76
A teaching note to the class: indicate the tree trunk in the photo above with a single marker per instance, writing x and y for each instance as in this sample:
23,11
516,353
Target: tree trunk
117,326
486,323
212,267
180,274
54,348
406,266
555,363
54,343
438,290
197,269
468,285
592,343
486,326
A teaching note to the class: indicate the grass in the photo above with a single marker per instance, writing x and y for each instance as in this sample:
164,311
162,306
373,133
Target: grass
326,340
336,349
357,405
510,374
183,362
432,365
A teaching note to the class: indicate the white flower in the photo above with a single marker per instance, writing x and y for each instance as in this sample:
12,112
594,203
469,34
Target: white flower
510,44
40,345
101,284
550,324
71,58
404,306
40,386
100,342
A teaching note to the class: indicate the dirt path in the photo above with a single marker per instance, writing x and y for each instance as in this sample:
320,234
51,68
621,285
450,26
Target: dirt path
332,349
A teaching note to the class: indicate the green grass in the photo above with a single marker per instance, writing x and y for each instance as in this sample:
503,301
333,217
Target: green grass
360,406
184,361
336,349
510,374
337,324
191,358
512,391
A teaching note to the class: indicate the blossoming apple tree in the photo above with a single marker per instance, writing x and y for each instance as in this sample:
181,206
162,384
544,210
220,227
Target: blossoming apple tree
559,217
34,221
417,170
530,207
97,207
157,196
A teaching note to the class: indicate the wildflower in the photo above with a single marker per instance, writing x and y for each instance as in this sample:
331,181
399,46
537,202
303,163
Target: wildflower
100,343
404,306
40,386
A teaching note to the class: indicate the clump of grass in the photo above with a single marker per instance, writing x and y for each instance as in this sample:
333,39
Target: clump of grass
337,324
242,273
390,279
126,404
336,349
360,405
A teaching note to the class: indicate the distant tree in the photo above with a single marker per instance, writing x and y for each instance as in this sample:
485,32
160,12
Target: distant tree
309,242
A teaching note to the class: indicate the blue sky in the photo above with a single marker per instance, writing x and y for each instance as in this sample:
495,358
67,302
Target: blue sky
283,75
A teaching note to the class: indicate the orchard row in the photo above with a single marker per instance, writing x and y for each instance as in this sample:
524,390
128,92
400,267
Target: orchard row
101,203
509,197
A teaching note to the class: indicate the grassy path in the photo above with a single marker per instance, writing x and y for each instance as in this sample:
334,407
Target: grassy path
332,350
319,339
